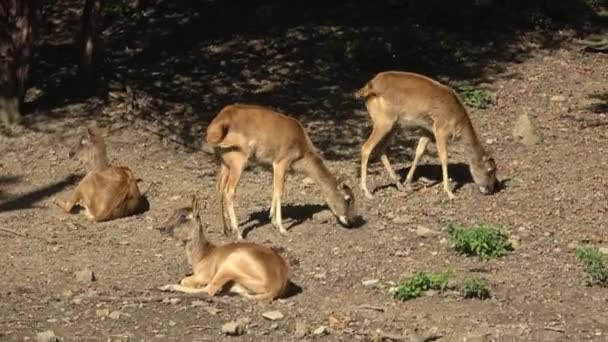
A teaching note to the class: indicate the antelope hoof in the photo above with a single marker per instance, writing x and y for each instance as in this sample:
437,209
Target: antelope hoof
451,196
167,288
400,186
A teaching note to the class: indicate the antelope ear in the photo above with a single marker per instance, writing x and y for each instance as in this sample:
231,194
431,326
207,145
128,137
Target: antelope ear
195,204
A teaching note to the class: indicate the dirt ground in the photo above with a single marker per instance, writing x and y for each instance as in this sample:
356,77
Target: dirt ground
555,197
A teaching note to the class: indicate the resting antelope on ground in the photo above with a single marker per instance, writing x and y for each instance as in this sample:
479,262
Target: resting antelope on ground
107,192
241,132
254,271
408,99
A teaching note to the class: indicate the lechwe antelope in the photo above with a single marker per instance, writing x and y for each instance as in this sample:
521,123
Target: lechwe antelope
408,99
240,132
255,271
107,192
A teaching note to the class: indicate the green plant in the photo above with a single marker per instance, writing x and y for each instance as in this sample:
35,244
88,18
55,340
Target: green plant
420,282
593,260
473,97
475,287
482,240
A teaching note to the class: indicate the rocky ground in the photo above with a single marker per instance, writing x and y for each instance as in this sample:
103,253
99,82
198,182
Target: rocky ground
554,199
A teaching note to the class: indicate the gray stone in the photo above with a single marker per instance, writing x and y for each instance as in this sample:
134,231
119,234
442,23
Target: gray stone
85,276
47,336
301,330
273,315
115,314
320,331
425,232
557,98
370,282
233,329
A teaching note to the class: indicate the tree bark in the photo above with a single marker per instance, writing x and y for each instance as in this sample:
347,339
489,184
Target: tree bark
89,41
16,35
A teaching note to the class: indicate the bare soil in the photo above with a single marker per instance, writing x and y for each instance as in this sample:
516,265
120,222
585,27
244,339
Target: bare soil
555,197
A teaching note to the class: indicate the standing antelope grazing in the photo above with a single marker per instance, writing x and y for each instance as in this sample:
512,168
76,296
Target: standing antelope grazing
107,192
409,99
240,132
255,271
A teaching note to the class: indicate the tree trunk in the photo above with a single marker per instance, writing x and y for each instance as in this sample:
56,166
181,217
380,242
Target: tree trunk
89,41
16,26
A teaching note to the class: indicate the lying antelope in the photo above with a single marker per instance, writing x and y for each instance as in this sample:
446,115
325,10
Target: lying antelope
240,132
107,192
408,99
255,271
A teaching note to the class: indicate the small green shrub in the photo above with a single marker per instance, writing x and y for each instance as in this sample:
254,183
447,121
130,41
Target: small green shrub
420,282
476,98
593,260
483,241
475,287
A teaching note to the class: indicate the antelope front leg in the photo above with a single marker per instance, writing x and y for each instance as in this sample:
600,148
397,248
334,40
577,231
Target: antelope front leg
68,205
189,284
278,181
442,150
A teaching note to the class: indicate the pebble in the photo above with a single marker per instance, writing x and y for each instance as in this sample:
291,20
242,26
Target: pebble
370,282
115,314
425,232
233,329
85,276
320,331
102,312
175,301
273,315
557,98
47,336
301,330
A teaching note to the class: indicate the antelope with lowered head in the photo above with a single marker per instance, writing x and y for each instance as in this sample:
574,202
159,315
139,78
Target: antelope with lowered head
411,100
254,271
241,132
107,192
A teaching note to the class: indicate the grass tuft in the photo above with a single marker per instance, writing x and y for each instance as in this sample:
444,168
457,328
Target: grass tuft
475,287
593,260
475,98
482,240
419,282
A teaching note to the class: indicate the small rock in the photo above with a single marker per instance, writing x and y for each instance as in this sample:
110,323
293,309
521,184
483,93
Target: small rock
425,232
198,303
274,326
115,314
370,282
515,241
557,98
273,315
175,301
213,311
85,276
233,329
572,246
401,253
603,250
526,131
172,323
301,330
47,336
319,276
402,219
102,312
320,331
